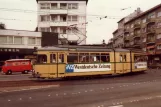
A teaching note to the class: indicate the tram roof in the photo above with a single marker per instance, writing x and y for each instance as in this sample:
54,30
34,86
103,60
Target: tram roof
81,48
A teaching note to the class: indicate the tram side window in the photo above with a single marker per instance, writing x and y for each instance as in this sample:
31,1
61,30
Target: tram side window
61,58
72,58
41,59
52,58
95,57
121,58
125,58
140,58
84,58
105,57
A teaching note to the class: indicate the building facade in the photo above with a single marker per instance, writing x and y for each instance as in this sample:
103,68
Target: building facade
110,43
65,17
19,43
144,31
118,35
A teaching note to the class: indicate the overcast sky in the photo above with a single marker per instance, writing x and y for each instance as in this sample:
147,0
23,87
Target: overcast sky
97,29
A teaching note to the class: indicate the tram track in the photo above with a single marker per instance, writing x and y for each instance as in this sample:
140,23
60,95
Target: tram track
138,77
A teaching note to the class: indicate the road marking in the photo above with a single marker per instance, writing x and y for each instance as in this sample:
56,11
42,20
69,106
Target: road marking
29,88
117,106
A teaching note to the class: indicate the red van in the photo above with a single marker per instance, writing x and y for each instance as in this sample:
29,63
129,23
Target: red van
17,65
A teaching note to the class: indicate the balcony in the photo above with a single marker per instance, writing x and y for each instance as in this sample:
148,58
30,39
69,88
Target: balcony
58,24
150,31
127,45
151,20
136,36
137,26
126,30
151,52
150,41
58,11
127,38
137,43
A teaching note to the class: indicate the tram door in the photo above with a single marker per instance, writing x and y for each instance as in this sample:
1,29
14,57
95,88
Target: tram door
123,60
61,64
53,65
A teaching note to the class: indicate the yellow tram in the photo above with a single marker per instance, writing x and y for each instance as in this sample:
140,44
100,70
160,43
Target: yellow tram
68,61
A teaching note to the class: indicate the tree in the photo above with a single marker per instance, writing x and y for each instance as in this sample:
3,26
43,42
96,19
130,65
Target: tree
2,26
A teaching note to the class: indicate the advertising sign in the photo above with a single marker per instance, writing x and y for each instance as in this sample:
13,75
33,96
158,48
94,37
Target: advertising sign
140,65
87,67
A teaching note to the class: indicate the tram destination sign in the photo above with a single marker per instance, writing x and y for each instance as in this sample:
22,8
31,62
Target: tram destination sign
87,67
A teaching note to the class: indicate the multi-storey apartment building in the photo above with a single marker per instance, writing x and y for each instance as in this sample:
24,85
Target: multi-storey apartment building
118,35
144,31
66,17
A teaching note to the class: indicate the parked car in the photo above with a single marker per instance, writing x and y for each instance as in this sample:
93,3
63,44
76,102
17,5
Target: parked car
17,65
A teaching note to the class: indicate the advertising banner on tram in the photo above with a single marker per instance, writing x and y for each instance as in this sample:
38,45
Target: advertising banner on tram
87,67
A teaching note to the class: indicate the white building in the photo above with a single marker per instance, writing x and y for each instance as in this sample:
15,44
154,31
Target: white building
58,16
20,39
18,43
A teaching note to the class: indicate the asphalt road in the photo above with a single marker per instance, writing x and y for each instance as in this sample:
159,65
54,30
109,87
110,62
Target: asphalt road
15,77
143,90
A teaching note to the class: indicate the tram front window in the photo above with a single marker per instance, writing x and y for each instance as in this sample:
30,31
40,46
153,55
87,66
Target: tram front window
41,59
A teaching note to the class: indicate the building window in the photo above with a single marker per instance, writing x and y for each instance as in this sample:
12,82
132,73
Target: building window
159,14
144,40
54,29
44,6
159,46
144,30
63,30
144,20
144,49
54,18
158,36
132,33
63,18
45,29
72,18
10,39
159,25
38,41
31,41
17,40
132,25
73,6
44,18
152,15
54,6
63,5
138,22
3,39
